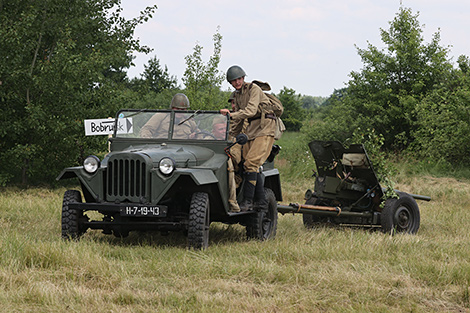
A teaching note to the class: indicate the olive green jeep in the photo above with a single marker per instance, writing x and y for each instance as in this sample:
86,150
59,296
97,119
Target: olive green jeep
167,172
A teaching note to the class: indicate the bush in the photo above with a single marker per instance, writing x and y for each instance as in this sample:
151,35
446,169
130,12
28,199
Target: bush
443,131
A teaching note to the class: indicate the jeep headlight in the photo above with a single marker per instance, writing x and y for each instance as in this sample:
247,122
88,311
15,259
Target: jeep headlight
91,164
166,166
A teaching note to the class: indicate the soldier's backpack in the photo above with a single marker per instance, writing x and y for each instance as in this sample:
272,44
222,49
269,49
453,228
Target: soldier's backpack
276,107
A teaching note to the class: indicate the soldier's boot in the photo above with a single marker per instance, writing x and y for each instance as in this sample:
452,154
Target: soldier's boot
260,200
248,191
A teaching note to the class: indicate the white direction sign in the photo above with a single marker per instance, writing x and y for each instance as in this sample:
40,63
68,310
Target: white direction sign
106,126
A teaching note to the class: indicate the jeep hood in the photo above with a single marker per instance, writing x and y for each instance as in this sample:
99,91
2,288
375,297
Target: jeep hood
183,155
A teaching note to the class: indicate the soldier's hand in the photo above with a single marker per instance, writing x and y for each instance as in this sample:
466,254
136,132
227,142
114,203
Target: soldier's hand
224,112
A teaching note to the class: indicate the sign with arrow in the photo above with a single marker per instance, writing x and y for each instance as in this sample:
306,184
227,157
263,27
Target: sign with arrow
106,126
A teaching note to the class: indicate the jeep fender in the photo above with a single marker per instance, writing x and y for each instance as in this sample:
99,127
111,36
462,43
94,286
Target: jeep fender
88,182
204,178
200,176
69,172
272,181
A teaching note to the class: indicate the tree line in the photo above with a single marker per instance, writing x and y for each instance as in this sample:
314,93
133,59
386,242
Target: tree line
63,64
409,94
66,63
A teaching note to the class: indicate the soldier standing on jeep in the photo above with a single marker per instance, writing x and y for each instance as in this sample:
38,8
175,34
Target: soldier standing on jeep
251,105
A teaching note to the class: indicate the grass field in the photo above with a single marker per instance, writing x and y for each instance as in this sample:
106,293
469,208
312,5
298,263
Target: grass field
323,270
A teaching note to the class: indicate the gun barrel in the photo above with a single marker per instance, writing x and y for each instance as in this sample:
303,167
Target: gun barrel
317,209
417,197
420,197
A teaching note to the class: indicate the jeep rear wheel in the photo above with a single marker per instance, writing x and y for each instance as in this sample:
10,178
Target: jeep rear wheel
262,225
71,218
199,221
400,215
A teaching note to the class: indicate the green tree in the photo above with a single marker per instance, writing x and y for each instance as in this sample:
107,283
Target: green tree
153,90
384,94
293,113
332,120
158,78
203,81
393,80
443,131
311,103
63,63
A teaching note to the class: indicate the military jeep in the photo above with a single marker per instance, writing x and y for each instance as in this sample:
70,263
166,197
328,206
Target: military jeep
168,181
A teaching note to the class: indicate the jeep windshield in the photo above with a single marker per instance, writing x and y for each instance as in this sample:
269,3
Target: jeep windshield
172,125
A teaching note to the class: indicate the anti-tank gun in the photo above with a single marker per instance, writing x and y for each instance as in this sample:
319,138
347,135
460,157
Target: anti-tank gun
348,192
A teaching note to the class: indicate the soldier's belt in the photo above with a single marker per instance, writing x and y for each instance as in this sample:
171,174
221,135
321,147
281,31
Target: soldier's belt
267,115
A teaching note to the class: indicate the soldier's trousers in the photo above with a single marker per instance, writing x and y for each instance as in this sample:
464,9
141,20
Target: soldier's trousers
256,151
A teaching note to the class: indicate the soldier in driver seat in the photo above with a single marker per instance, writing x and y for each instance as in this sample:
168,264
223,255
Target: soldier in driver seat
159,124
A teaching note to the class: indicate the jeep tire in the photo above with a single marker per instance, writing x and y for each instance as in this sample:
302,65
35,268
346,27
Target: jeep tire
199,221
71,219
262,225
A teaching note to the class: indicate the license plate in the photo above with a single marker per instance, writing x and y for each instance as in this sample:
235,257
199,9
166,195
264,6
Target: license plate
144,210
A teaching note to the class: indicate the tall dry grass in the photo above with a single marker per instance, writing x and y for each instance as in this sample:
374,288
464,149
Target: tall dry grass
329,269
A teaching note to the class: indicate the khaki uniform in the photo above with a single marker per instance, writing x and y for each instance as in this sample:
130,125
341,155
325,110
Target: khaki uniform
159,124
253,115
232,187
252,105
185,130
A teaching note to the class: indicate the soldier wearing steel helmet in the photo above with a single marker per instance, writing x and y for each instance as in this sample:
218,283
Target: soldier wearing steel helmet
250,108
179,102
158,125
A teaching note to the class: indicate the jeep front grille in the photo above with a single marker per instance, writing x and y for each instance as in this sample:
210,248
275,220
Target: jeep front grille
126,179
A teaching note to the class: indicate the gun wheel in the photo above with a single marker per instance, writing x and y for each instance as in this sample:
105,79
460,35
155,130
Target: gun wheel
400,215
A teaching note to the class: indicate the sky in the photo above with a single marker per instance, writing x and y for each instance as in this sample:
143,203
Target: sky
309,46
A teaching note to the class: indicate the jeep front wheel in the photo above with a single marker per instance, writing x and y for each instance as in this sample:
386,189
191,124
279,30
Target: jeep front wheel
199,221
71,218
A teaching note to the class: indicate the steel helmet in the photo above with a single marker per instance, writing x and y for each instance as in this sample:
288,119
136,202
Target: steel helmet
179,101
235,72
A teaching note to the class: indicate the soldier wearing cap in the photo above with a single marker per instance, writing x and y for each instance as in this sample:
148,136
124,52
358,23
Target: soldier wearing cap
219,127
250,103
